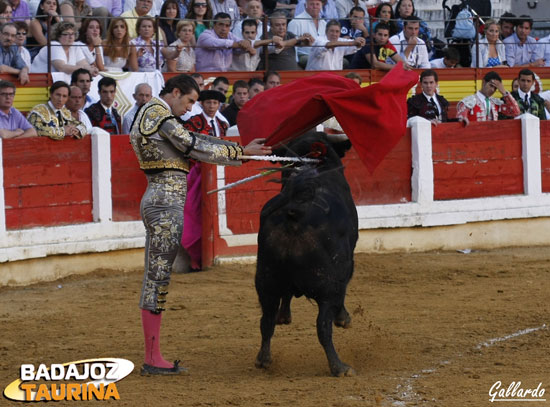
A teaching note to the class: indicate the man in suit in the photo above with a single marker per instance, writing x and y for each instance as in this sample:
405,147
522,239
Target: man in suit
103,114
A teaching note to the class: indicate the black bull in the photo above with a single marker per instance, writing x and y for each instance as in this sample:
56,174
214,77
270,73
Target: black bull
305,246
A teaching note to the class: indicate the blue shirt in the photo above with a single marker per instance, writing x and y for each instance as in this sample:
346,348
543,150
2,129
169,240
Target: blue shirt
518,54
13,120
11,57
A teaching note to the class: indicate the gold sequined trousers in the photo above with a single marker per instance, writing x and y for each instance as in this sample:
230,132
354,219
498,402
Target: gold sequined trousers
162,214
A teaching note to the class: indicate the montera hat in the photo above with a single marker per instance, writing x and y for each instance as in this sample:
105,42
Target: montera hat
212,94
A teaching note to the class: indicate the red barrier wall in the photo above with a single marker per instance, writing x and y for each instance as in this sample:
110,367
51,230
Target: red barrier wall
479,160
128,182
545,154
47,182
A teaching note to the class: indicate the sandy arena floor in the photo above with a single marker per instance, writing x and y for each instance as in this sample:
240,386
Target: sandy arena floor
429,329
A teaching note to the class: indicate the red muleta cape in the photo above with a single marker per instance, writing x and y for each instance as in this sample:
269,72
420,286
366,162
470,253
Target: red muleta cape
374,118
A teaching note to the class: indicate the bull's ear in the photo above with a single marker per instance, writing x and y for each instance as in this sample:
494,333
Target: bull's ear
341,147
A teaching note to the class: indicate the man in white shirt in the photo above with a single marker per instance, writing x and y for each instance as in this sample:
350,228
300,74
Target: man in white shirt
308,22
328,53
75,104
142,94
410,47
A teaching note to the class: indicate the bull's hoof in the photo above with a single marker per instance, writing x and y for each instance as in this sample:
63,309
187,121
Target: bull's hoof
283,319
343,371
263,361
343,319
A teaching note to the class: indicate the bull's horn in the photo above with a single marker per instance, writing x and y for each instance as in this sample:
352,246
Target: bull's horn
337,138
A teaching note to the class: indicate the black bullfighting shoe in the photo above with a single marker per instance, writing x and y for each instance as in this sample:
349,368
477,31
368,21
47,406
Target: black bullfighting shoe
153,370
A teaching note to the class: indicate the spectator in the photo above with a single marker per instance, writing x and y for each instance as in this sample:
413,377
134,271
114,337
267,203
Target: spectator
255,86
545,47
405,9
5,12
328,53
354,26
116,46
75,104
528,101
482,106
20,40
451,57
412,49
378,57
354,76
53,119
272,79
328,9
184,7
142,9
429,104
240,97
83,79
492,53
180,56
103,114
208,122
20,11
143,50
384,13
343,7
200,12
169,17
515,84
507,24
521,48
282,54
10,59
248,59
200,81
215,47
254,11
89,40
228,7
143,93
130,5
12,123
39,26
308,22
65,57
221,84
74,11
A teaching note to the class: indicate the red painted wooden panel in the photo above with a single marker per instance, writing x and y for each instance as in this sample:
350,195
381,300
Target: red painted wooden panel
545,154
47,182
483,159
128,182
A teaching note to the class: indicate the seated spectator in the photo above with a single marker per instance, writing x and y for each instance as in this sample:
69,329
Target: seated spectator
507,24
411,48
354,76
180,55
10,59
328,53
492,53
184,7
253,11
383,52
248,59
74,11
116,46
20,11
39,28
75,104
528,101
354,26
142,9
53,119
228,7
5,12
20,41
103,114
384,13
143,50
199,79
405,9
272,79
521,48
255,86
65,57
83,79
429,104
104,9
12,123
451,57
482,106
328,9
200,12
89,41
240,97
308,22
220,85
169,17
143,93
215,47
544,43
343,8
282,54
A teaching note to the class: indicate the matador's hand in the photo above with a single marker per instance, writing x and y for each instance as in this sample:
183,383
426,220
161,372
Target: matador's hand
256,147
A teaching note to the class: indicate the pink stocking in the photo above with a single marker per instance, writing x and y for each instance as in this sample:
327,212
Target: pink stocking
151,331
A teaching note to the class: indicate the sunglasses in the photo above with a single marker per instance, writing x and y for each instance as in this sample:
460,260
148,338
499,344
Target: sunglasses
199,5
